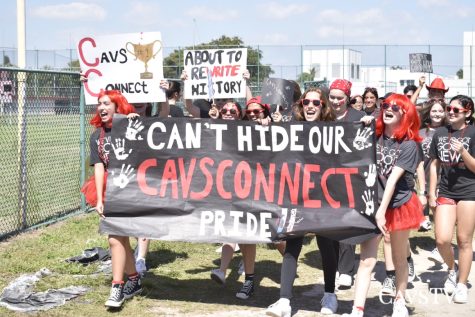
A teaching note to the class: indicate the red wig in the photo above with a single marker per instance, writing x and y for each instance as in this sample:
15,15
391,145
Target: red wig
408,128
122,106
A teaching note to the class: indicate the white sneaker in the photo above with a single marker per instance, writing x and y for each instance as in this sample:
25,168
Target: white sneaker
345,280
329,304
399,308
279,309
218,276
435,256
389,286
451,282
354,313
460,294
140,266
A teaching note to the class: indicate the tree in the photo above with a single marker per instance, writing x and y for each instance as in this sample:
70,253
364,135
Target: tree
73,65
303,77
6,61
459,73
173,63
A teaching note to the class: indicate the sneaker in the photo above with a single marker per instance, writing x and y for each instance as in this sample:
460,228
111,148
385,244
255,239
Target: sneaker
218,276
451,282
425,226
460,294
345,280
141,267
329,304
399,308
132,287
246,290
411,271
389,286
354,313
279,309
116,297
435,256
241,270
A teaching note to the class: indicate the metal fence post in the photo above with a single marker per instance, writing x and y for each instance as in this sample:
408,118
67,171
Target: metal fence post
22,159
385,68
82,143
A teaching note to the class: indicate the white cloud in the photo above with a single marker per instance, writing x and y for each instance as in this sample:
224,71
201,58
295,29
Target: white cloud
282,11
71,11
213,14
275,38
143,14
433,3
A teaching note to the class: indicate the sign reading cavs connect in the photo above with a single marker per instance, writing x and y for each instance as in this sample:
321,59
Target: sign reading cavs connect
131,63
216,181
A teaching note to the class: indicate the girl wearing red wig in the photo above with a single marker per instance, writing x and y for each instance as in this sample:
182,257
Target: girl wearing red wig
110,102
399,210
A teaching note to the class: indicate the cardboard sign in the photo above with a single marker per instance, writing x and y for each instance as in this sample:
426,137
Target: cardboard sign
236,181
215,73
131,63
420,63
279,93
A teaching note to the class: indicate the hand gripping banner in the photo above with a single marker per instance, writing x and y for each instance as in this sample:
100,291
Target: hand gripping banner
236,181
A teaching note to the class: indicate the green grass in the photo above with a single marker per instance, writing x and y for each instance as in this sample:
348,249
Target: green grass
177,284
53,168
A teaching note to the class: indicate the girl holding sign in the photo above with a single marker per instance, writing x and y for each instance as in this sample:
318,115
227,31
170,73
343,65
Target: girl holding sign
453,152
399,211
109,103
312,106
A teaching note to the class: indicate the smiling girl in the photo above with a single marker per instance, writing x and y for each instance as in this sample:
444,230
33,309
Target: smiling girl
452,150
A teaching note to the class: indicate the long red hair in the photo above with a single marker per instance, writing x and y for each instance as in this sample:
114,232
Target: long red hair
122,106
408,126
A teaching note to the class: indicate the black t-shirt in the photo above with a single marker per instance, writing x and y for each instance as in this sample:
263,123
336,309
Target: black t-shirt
96,148
389,153
456,180
426,135
176,112
352,115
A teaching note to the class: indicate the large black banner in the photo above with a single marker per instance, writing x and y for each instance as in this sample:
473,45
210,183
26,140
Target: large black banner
236,181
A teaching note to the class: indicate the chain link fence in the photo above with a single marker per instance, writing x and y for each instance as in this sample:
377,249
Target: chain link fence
43,151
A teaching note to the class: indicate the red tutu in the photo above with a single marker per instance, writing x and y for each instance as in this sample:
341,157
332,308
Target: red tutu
90,192
405,217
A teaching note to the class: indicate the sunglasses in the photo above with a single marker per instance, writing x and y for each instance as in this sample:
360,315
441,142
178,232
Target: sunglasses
455,110
393,107
316,102
226,110
255,111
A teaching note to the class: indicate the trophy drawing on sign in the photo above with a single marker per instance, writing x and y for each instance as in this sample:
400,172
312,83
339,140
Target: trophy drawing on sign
144,52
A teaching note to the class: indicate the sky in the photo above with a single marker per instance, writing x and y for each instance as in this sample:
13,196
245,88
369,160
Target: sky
59,24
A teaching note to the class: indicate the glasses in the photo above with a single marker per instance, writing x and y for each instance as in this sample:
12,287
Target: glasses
455,110
316,102
226,110
393,107
255,111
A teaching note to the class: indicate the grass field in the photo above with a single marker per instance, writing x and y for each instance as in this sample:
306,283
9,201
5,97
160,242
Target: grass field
53,168
178,282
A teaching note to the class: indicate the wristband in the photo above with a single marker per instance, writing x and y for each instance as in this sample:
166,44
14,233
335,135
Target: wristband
422,192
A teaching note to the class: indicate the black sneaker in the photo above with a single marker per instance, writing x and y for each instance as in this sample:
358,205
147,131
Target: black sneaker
132,287
246,290
411,271
116,297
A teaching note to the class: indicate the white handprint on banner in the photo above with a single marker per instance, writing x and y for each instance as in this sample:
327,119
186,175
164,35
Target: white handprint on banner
368,200
370,176
133,129
124,177
361,140
119,149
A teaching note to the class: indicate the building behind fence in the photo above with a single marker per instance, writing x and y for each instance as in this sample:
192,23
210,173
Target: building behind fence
385,67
